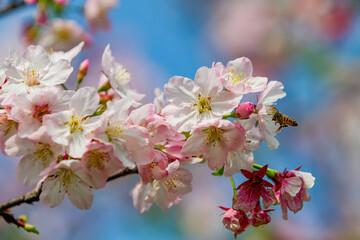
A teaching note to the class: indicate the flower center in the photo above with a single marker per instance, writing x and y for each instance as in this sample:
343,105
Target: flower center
203,103
97,159
122,76
40,111
32,76
63,34
115,131
67,177
235,77
6,125
74,124
213,133
42,153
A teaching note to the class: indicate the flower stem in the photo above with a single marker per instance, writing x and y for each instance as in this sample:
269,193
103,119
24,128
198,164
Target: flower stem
271,173
233,185
231,115
64,87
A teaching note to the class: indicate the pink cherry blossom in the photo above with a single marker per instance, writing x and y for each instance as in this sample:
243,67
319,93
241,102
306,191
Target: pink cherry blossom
8,128
156,169
100,163
198,102
64,177
29,109
214,141
62,35
250,191
165,192
291,190
260,217
243,158
73,128
268,128
37,155
235,220
96,11
127,139
237,77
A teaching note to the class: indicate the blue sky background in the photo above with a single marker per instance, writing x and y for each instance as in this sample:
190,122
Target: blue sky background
159,39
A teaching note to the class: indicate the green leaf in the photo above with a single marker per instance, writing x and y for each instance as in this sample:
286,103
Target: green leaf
218,172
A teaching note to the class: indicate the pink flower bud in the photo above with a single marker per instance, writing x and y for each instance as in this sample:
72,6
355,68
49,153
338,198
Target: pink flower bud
244,110
62,2
83,68
260,217
235,220
41,17
30,1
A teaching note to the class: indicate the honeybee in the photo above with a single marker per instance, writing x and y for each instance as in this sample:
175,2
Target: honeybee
281,119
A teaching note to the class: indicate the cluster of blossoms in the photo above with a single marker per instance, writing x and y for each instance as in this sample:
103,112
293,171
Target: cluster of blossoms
51,29
71,142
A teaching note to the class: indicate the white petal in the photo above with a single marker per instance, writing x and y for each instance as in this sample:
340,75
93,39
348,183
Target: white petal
53,192
308,178
85,101
272,93
80,195
180,90
208,81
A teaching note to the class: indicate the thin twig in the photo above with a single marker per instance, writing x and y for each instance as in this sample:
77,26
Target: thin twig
33,196
14,5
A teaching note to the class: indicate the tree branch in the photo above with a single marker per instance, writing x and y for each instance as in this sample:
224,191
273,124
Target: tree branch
33,196
12,6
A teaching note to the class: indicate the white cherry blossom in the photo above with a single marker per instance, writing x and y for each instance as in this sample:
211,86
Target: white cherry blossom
73,128
119,77
200,101
35,71
68,177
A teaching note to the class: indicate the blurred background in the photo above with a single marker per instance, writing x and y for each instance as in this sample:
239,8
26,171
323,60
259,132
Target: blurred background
312,46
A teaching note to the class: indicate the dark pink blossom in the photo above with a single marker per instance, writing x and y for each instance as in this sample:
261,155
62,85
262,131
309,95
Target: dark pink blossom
235,220
249,192
260,217
291,190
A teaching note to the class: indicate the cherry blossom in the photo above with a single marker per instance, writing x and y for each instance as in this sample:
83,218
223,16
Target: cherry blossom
29,109
100,163
118,76
165,192
198,102
34,72
68,177
235,220
237,77
126,138
214,141
62,35
73,128
250,191
291,190
96,11
36,156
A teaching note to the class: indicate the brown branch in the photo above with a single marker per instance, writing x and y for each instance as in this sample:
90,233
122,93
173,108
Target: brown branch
14,5
33,196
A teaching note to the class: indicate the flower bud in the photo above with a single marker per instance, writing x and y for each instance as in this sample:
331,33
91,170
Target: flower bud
61,2
235,220
260,217
84,66
244,110
41,17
